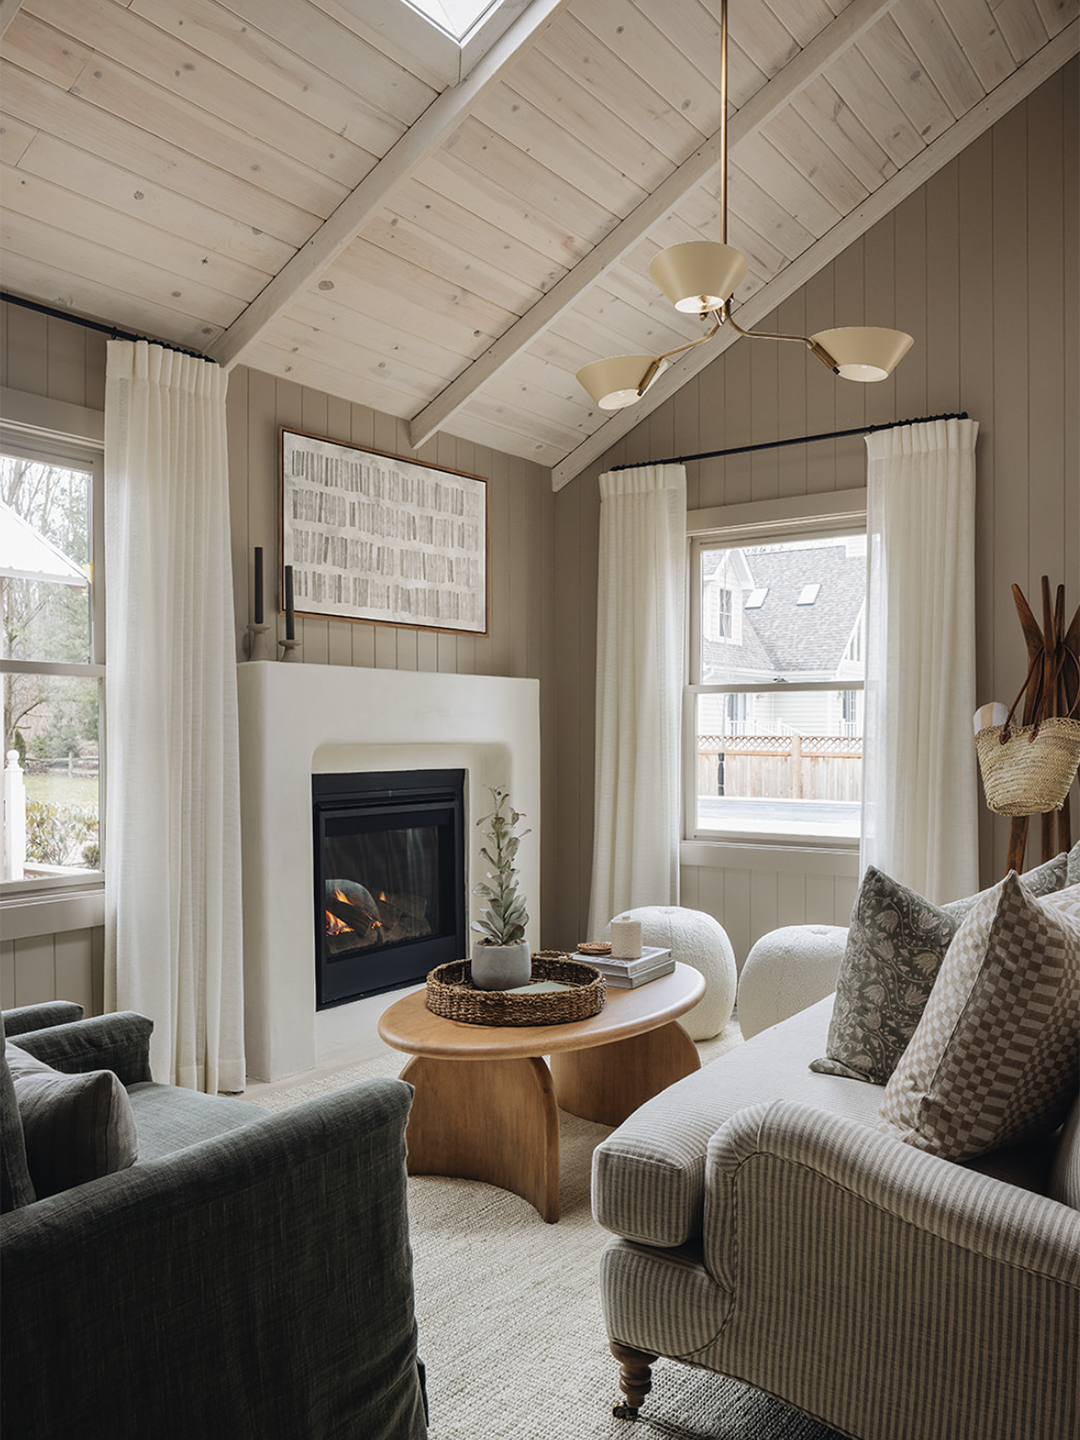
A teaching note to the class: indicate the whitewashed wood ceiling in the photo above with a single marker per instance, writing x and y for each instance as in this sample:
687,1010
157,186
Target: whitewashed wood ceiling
330,190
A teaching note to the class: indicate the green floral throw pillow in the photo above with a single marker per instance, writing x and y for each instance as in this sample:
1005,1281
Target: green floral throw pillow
895,946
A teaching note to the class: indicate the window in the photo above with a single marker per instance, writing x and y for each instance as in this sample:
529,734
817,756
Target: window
52,660
455,17
774,730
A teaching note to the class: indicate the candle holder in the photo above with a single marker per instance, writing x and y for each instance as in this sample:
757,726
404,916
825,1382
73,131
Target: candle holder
251,639
288,646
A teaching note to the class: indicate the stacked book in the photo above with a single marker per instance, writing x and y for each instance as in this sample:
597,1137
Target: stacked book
629,974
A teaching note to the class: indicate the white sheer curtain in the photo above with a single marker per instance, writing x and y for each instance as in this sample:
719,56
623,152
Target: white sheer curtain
172,867
639,680
920,787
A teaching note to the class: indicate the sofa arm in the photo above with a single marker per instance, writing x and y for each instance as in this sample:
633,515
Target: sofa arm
119,1042
258,1284
936,1289
39,1017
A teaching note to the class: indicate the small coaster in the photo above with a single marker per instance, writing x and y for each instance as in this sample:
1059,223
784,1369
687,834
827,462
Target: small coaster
594,947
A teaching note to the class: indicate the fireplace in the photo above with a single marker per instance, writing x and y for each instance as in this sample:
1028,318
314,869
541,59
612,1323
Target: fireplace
389,851
302,721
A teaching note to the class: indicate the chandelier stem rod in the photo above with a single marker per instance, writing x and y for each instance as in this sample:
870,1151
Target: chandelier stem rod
794,440
723,121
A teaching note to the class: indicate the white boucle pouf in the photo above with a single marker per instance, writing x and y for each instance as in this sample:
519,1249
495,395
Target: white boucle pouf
694,939
786,971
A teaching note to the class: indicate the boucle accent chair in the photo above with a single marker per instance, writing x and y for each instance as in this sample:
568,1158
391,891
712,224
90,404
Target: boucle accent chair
766,1228
249,1275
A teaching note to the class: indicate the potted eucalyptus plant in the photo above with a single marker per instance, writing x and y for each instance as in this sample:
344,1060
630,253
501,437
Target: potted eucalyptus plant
502,958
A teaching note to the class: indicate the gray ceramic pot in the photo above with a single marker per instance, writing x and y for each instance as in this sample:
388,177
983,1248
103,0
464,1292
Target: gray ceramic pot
501,967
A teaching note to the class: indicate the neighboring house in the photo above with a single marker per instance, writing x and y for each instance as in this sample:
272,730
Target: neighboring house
794,612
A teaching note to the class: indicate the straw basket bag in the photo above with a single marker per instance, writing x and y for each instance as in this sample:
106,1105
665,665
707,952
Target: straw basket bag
1027,769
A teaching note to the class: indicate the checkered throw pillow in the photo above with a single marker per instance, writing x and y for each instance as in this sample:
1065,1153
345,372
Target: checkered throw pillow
994,1058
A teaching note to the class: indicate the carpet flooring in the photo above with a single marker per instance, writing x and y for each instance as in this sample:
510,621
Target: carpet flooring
508,1310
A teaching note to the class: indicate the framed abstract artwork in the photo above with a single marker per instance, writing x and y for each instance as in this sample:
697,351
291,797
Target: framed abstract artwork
375,537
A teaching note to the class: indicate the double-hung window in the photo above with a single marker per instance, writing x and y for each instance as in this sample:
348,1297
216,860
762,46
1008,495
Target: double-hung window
774,707
52,660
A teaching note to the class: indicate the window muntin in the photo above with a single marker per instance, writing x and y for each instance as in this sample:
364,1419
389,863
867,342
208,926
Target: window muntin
52,654
775,718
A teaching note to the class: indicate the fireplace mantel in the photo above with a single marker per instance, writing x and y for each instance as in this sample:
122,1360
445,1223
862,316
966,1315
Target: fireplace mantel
297,720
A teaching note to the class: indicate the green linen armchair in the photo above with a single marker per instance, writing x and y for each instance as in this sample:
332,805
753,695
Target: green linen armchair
249,1275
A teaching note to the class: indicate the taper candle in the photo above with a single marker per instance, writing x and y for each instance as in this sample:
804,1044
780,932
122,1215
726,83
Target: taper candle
290,617
258,585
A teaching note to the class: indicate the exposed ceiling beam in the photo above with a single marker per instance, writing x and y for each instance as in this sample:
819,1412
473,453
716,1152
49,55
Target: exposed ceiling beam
837,37
958,137
339,230
8,10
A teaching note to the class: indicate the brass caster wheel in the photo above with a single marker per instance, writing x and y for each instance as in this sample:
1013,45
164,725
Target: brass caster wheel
625,1412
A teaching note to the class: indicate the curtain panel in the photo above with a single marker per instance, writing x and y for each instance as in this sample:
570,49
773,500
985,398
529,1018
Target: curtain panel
641,624
920,784
172,868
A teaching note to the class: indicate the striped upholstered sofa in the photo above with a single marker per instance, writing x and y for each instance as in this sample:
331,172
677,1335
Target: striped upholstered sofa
764,1228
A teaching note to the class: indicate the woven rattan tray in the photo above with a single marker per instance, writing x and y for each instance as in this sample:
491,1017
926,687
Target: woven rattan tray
451,993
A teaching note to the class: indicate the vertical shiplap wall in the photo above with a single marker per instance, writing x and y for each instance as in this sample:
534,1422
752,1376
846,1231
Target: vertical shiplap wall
42,356
521,519
981,267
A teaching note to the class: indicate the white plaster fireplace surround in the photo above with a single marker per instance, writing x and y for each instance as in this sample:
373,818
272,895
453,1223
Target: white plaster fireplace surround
298,720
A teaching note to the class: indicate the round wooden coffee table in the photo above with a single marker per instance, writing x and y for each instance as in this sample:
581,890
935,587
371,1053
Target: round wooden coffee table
487,1106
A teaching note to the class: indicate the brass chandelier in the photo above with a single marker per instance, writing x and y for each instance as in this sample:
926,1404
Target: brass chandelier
700,277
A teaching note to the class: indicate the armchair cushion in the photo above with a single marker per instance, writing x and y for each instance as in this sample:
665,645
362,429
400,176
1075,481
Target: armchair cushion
119,1042
75,1127
993,1059
15,1186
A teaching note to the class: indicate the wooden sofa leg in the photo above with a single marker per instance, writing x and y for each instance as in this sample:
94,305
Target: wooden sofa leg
635,1378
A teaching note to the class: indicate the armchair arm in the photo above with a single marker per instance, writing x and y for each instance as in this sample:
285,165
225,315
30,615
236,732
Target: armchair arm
901,1283
258,1284
118,1042
39,1017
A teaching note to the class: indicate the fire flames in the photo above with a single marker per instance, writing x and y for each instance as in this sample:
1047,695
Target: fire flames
336,926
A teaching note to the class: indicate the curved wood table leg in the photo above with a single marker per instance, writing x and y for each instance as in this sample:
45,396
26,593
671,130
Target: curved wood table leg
490,1120
609,1082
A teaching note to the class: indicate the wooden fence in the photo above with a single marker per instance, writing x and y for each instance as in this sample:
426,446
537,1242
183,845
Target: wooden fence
780,767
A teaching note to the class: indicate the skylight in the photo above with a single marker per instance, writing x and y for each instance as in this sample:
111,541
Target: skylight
756,598
808,594
455,17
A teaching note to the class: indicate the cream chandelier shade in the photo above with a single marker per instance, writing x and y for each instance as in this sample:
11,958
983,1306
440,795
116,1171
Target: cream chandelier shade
700,277
620,380
863,352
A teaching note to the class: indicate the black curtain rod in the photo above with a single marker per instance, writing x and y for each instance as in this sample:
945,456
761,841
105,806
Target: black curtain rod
111,330
796,440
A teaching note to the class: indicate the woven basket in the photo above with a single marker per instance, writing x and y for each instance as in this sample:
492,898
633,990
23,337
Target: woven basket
1028,770
451,993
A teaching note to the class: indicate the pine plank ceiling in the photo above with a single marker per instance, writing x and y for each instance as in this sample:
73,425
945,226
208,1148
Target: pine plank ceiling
331,191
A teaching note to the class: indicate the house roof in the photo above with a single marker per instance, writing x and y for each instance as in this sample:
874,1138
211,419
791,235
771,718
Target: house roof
783,637
26,555
338,193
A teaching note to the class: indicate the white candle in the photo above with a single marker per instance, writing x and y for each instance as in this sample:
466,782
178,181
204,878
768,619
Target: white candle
625,939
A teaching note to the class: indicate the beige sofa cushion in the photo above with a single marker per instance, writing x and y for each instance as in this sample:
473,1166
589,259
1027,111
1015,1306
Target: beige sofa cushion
994,1058
649,1174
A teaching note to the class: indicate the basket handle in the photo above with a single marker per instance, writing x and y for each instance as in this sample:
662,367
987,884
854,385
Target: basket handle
1041,696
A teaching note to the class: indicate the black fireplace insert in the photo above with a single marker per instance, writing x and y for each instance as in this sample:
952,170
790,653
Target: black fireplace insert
389,879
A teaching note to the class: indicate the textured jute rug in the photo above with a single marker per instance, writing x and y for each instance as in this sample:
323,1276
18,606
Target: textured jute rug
508,1310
